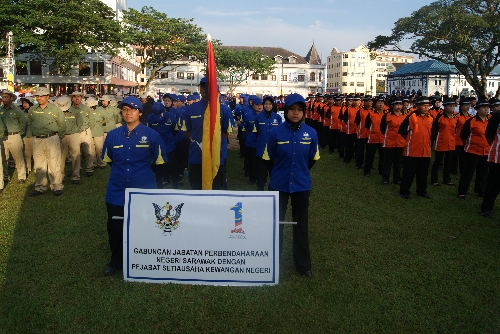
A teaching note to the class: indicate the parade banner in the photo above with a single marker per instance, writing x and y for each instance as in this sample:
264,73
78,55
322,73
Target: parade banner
201,237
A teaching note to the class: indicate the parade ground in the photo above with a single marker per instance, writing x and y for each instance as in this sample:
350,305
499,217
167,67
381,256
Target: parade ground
380,264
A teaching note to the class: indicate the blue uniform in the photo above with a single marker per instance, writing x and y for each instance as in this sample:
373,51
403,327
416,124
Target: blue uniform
165,125
131,158
263,124
194,123
291,150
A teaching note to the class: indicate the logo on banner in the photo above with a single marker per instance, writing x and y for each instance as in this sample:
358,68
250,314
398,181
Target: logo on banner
238,232
166,220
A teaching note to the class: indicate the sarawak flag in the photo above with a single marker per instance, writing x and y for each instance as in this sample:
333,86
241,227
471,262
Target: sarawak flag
211,141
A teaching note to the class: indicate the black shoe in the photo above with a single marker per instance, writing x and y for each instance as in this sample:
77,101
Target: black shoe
22,181
75,181
103,167
461,197
405,196
35,193
486,214
58,193
426,195
109,271
180,184
69,174
306,273
367,174
89,174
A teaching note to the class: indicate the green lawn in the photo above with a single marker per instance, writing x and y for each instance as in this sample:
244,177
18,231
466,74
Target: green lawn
380,264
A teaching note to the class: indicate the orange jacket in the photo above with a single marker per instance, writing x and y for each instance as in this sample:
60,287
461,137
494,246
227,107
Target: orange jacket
309,109
461,119
389,125
315,115
473,132
360,122
335,121
343,124
352,128
444,130
493,136
372,123
417,130
327,115
435,112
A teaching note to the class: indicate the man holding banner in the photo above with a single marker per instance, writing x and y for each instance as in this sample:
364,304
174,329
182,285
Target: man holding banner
207,128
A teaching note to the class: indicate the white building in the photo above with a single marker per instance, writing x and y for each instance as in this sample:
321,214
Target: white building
292,74
360,71
434,77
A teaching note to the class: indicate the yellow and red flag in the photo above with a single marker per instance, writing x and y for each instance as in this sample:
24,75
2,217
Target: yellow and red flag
211,141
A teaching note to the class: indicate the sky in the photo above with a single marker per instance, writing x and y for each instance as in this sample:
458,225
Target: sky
293,24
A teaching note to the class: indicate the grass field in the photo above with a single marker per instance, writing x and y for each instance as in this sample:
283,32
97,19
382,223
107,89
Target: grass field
380,264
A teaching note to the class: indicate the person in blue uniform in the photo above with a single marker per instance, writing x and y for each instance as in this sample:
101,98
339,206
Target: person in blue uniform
194,115
130,150
293,148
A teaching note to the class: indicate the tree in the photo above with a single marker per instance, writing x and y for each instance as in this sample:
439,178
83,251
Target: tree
160,41
464,33
235,66
60,30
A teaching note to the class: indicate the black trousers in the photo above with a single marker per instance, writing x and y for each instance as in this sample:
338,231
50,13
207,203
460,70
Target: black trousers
252,164
414,167
333,140
456,161
300,214
473,163
393,158
350,147
115,235
181,156
492,187
371,149
241,141
264,168
342,140
360,151
438,163
195,178
323,133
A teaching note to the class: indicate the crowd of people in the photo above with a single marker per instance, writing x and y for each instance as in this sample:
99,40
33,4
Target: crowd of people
152,143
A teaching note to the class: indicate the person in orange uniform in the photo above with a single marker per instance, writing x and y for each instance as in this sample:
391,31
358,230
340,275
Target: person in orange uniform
462,117
493,181
343,126
351,128
335,123
416,129
436,106
324,140
315,117
309,109
375,137
393,142
475,158
362,130
444,131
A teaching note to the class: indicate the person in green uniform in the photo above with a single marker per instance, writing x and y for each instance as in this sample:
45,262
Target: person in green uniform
97,132
85,119
71,141
109,113
15,121
46,124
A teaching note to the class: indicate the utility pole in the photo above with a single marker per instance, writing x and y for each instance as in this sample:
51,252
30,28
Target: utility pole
8,63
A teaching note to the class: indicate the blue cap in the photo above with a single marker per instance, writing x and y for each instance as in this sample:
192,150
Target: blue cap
157,108
132,102
295,98
182,98
257,100
174,97
203,80
195,94
190,97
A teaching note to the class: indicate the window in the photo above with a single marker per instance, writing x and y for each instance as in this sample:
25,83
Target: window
345,55
360,75
273,77
361,64
344,74
180,75
161,75
437,82
301,78
98,68
360,84
292,60
320,77
353,63
284,77
344,83
351,83
190,76
53,70
255,77
84,69
35,67
21,67
312,76
263,77
345,63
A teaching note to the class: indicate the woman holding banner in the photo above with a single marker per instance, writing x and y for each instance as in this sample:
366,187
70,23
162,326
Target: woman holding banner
293,148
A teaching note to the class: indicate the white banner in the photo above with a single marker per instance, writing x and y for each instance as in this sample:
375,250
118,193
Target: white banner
201,237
